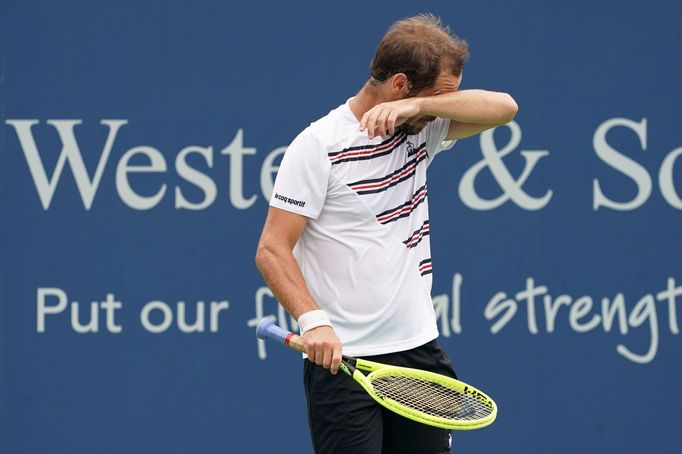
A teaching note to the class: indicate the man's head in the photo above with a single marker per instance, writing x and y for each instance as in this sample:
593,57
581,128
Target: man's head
419,48
418,57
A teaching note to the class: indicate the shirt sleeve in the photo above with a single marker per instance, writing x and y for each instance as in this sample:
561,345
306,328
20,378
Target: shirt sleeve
302,178
436,131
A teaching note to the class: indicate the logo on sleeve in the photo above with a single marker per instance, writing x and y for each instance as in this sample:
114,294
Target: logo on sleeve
289,200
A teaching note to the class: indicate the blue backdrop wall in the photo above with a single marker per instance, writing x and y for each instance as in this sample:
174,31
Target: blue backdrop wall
138,145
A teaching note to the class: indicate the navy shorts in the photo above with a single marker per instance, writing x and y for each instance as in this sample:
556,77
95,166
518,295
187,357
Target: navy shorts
344,419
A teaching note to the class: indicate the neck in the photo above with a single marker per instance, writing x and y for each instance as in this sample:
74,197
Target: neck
368,97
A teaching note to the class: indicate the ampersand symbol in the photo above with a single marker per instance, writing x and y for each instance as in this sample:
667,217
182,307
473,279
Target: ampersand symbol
512,188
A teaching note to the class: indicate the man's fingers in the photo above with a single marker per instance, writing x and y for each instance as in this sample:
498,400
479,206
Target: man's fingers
372,122
327,356
336,360
382,119
323,347
320,354
390,122
364,122
310,350
381,123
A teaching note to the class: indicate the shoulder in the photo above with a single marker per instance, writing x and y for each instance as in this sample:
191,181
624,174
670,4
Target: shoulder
316,141
330,132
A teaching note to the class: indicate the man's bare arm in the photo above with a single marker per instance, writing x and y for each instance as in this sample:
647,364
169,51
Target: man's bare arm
276,262
470,112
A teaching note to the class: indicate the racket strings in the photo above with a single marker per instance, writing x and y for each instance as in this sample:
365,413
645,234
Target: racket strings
430,398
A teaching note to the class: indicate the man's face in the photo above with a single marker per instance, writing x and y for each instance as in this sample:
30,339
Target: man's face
445,83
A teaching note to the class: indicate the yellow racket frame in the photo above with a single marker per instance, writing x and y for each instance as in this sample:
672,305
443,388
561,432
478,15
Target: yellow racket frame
353,367
378,370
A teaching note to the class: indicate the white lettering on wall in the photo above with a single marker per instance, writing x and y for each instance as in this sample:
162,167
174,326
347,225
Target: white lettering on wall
583,316
157,164
632,169
665,179
512,188
622,163
199,179
70,152
236,150
109,306
448,308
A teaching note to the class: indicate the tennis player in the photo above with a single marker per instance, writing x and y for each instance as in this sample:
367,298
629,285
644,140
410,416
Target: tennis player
345,246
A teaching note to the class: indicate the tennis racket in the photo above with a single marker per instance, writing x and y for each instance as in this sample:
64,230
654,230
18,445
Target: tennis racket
425,397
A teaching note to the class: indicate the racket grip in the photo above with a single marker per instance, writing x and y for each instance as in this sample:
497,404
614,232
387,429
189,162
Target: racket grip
267,330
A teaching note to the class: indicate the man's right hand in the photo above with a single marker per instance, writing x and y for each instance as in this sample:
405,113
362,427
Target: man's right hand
323,347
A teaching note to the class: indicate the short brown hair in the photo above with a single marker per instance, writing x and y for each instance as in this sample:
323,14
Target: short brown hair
420,47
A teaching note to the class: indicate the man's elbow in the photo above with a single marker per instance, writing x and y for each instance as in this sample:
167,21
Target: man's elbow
508,108
263,255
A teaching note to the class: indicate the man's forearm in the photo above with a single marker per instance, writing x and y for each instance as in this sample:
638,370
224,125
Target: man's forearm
283,276
470,106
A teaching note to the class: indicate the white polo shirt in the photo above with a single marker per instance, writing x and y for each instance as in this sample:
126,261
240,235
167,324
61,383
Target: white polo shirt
365,252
